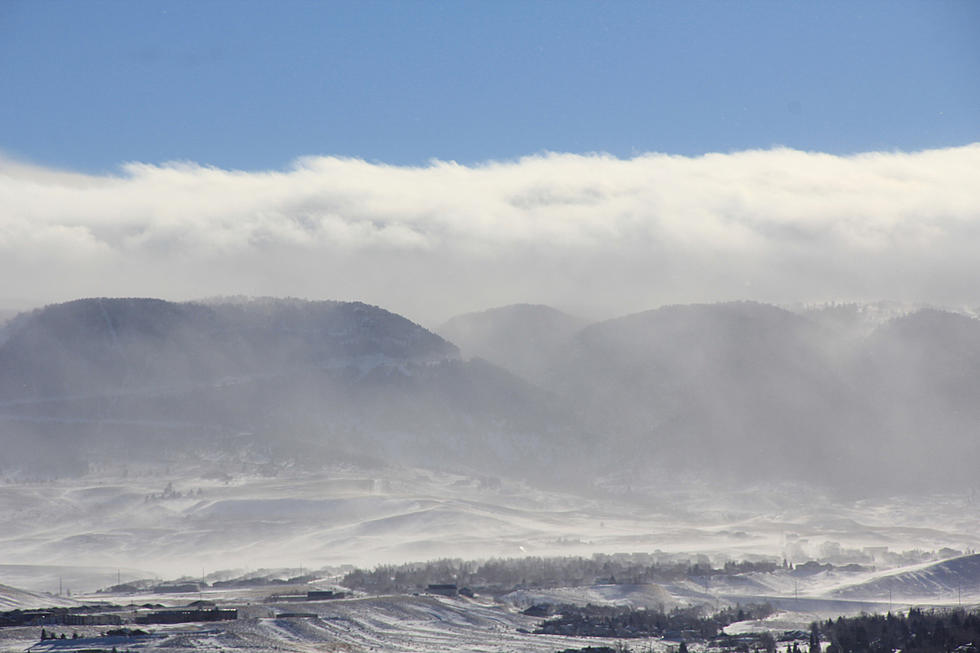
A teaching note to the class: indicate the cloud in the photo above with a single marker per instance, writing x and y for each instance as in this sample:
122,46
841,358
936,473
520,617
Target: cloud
591,232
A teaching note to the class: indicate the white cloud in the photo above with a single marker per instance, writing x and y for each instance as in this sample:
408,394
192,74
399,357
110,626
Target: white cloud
590,232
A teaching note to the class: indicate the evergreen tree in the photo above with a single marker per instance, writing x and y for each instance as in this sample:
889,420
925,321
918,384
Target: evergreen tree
814,638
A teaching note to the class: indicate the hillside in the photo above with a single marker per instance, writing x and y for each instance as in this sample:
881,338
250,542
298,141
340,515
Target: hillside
522,338
737,391
12,598
949,580
310,379
742,388
126,345
717,385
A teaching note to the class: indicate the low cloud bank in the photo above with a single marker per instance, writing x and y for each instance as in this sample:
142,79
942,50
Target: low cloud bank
587,232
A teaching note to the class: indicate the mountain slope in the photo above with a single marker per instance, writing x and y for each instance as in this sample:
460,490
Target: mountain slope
745,389
12,598
715,384
121,345
741,390
946,580
145,378
521,338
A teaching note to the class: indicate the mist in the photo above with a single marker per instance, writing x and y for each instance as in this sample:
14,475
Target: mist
592,234
655,368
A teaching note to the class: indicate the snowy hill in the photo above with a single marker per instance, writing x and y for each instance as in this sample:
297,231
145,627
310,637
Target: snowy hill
947,581
12,598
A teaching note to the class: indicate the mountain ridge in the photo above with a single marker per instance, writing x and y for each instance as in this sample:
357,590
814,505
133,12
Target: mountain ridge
732,390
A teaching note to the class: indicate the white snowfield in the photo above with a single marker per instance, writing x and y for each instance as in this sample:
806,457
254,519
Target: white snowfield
256,515
397,623
12,598
119,525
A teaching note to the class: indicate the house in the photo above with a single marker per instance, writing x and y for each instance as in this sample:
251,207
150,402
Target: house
186,616
447,589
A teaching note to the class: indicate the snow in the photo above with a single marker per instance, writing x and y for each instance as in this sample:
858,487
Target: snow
94,531
12,598
222,518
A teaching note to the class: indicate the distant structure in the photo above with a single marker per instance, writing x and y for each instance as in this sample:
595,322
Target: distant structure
324,595
444,589
57,617
186,616
312,595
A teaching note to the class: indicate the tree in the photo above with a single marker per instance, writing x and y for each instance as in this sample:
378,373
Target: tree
814,638
768,642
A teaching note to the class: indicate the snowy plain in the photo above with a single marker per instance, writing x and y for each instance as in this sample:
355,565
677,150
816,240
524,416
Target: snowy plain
216,520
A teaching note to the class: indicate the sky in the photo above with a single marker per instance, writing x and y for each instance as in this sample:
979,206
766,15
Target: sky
436,157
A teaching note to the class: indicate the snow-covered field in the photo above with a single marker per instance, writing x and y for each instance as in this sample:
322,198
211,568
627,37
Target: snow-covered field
91,532
173,522
403,623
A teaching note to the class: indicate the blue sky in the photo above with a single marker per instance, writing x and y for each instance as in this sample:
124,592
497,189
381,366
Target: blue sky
253,85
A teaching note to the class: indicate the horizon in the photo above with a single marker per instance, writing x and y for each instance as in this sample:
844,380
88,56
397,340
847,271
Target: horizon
896,308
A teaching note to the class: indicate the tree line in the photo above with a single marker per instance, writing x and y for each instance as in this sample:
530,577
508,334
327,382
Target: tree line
932,631
506,574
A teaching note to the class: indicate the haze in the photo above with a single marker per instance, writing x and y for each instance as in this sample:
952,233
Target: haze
489,326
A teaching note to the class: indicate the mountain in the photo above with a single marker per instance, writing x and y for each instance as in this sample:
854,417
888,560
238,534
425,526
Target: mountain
718,386
145,378
521,338
743,389
920,380
738,390
131,345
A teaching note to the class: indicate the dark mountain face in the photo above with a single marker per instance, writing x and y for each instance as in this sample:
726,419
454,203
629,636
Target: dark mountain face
124,345
148,378
522,338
